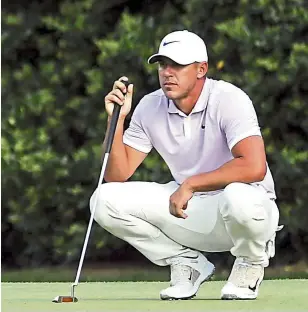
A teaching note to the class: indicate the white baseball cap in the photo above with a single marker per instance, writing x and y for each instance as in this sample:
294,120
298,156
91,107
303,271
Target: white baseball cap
183,47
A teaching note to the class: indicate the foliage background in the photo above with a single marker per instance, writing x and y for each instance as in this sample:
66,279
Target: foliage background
59,60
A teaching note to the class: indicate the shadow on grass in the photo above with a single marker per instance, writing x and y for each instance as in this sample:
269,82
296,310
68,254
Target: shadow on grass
149,299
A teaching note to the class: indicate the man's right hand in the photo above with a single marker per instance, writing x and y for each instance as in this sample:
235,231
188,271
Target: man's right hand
121,96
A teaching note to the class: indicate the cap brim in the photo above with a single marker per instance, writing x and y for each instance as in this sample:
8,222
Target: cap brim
155,58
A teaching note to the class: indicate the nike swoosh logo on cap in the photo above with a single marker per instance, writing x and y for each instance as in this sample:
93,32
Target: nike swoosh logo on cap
166,43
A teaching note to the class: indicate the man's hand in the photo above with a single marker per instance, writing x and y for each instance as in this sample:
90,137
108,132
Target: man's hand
178,201
120,95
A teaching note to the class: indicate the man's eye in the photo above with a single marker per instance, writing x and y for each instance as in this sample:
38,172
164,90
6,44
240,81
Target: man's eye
162,65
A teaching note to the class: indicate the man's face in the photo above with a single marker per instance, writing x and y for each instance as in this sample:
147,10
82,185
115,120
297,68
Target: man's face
177,81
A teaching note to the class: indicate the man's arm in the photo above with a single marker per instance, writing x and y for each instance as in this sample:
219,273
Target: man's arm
123,159
248,165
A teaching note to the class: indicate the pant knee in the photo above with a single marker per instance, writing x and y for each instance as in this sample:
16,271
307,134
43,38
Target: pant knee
103,202
242,203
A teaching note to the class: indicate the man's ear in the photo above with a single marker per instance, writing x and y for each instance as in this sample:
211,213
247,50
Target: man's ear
202,70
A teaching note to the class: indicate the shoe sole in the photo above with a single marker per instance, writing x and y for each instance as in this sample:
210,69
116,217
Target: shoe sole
194,295
234,297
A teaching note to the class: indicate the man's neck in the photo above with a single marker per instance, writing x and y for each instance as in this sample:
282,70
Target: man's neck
187,104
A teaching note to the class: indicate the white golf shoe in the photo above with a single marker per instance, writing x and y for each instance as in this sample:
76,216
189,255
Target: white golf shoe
244,281
187,274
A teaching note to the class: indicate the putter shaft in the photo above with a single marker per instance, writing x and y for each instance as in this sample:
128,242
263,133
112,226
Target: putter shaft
73,290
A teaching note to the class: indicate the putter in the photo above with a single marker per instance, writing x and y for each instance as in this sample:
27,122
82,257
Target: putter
109,141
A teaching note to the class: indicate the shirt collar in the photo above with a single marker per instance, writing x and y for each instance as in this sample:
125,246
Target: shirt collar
201,102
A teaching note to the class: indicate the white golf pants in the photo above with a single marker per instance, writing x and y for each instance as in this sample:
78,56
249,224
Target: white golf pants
240,219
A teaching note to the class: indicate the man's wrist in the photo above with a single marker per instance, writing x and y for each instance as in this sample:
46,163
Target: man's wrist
188,185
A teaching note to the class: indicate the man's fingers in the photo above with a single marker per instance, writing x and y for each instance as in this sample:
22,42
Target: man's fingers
129,93
116,95
118,84
181,214
119,94
177,211
112,98
130,89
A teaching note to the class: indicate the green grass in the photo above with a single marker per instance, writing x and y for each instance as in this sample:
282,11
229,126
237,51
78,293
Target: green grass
275,295
125,273
104,274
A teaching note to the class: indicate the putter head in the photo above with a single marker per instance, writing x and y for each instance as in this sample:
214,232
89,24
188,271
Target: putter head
61,299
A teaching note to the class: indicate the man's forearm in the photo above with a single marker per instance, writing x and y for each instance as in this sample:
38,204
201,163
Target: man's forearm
117,167
236,170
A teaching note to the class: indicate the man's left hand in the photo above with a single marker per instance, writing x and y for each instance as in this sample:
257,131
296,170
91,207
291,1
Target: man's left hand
179,200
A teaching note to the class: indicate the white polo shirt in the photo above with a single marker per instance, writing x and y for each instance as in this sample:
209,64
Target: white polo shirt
201,141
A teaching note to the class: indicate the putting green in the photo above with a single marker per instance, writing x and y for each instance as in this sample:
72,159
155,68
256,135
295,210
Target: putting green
275,295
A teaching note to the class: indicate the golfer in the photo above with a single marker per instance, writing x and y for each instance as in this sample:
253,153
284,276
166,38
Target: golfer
222,196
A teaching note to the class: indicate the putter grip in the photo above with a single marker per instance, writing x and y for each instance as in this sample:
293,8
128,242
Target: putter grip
113,123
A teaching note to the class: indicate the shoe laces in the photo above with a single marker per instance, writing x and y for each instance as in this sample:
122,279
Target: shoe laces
180,274
244,274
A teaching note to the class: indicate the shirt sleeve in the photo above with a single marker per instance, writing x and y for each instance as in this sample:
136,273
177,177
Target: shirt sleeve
238,118
135,135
